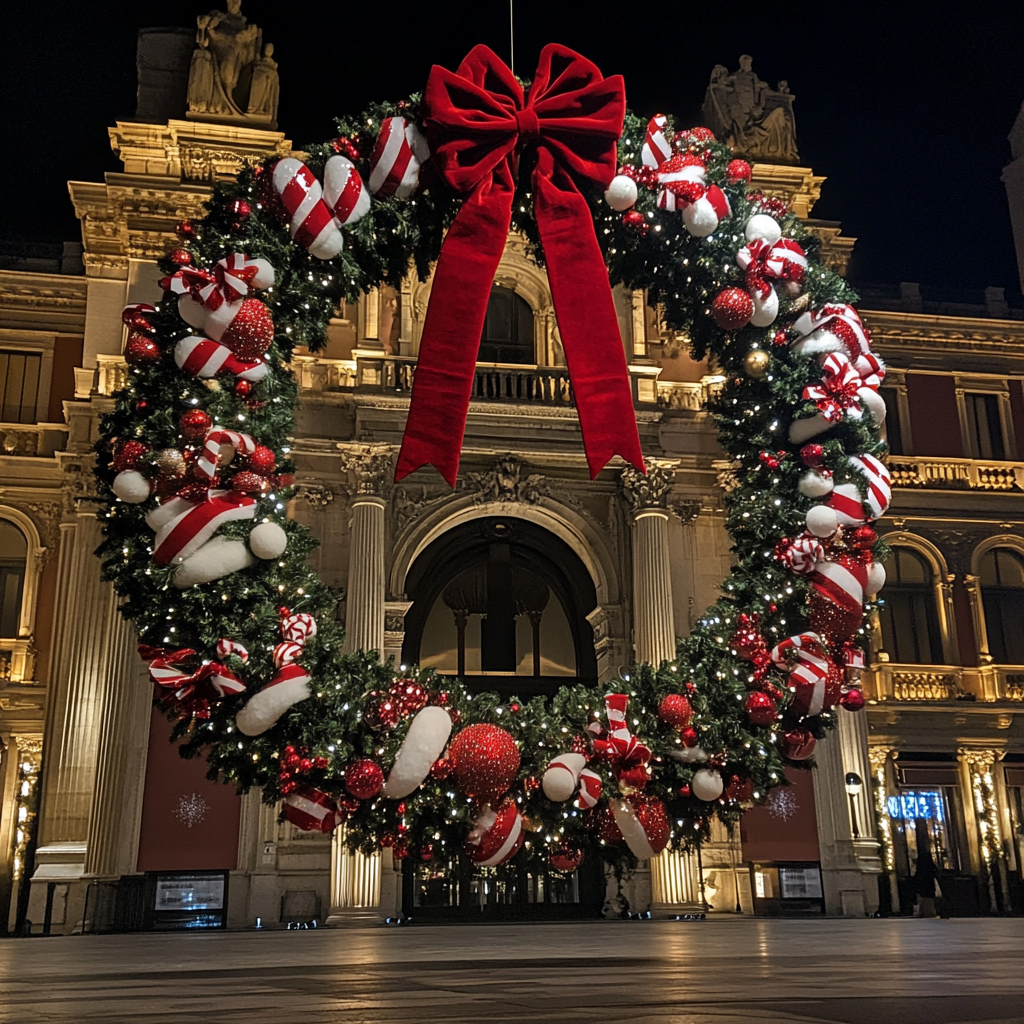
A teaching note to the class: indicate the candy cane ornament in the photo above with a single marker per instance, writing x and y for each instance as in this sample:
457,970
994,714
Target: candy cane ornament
398,155
656,147
344,192
817,685
310,220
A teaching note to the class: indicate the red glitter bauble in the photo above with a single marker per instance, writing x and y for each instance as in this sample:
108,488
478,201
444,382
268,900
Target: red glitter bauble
139,349
289,749
760,709
345,147
196,491
732,309
387,841
635,219
195,424
249,483
580,746
185,229
607,829
675,164
321,762
407,696
305,765
381,713
349,804
676,710
400,850
441,768
689,737
292,760
129,454
240,213
852,700
700,134
797,744
651,814
566,859
251,332
364,778
739,789
182,257
738,170
780,338
485,760
262,460
242,387
812,455
864,537
289,787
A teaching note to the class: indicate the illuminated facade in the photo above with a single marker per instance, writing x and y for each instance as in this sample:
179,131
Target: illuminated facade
594,575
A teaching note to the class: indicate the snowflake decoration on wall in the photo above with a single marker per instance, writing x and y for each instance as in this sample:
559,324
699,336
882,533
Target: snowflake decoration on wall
781,803
191,810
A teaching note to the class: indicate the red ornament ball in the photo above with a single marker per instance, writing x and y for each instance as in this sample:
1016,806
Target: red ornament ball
349,804
700,134
685,791
738,170
364,778
321,762
185,229
608,830
797,744
129,454
289,750
732,309
292,760
676,710
636,220
408,697
760,709
566,858
689,737
345,147
305,765
251,332
400,850
242,387
580,746
441,768
381,712
864,537
139,349
249,483
739,789
485,760
240,213
852,700
262,460
812,455
195,424
182,257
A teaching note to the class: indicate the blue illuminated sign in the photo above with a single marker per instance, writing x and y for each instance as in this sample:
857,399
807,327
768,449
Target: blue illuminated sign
915,805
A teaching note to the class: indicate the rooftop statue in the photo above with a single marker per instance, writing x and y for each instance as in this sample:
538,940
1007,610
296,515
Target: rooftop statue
751,117
233,75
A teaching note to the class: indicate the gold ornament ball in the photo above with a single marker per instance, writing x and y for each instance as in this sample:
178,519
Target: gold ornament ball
755,363
170,462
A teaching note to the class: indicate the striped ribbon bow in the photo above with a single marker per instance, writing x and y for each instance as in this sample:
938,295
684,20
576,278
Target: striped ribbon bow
227,282
783,261
620,746
192,690
838,389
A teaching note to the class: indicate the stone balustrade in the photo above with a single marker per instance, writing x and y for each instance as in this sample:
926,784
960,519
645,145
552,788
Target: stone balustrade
32,440
956,474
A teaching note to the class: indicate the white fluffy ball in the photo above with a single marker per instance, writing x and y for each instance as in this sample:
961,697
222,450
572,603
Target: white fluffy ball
707,785
621,193
822,521
762,226
268,540
766,309
814,485
876,578
131,486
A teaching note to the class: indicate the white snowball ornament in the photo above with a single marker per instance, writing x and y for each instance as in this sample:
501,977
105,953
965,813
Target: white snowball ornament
219,556
814,485
876,578
131,486
621,193
707,785
268,540
423,745
822,521
562,774
765,309
764,227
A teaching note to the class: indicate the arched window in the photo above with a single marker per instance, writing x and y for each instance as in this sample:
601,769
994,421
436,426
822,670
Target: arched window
1002,596
13,558
508,329
910,620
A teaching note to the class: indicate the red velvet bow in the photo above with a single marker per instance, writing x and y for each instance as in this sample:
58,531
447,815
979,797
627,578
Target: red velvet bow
480,127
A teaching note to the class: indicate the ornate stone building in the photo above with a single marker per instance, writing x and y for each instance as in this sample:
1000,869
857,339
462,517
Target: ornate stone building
584,576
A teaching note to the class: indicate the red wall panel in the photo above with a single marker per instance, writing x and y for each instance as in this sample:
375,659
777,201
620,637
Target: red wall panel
168,842
934,417
768,836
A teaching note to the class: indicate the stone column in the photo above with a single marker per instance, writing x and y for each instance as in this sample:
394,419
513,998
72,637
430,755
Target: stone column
356,884
881,783
981,813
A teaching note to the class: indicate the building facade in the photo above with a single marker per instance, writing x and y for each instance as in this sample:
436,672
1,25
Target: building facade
585,577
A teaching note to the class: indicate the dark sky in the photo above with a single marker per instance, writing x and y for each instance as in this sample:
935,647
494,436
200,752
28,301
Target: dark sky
904,107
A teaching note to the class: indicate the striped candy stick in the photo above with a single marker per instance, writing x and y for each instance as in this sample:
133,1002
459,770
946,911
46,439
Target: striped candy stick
344,191
396,159
220,447
205,358
656,149
310,221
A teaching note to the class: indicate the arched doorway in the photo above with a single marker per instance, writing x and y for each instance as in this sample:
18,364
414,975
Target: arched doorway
507,601
502,603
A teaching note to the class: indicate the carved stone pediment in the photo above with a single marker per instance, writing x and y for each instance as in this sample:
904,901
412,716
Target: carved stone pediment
506,481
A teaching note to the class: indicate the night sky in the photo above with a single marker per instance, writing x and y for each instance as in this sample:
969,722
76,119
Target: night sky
904,108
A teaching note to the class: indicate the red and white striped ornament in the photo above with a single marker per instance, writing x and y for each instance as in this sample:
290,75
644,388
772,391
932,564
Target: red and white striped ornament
396,159
219,448
811,675
226,648
496,836
656,148
298,626
286,652
205,358
802,554
851,507
838,590
310,220
185,527
344,192
312,810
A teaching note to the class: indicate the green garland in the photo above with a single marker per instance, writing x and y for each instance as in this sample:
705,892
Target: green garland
326,732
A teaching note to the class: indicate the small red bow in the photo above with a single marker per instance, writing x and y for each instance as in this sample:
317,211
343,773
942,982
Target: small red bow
838,388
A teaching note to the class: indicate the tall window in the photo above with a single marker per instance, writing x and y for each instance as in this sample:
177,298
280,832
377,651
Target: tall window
19,386
1002,597
893,434
508,329
910,621
13,555
984,426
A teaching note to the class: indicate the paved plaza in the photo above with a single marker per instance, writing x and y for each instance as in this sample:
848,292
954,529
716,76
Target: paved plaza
722,971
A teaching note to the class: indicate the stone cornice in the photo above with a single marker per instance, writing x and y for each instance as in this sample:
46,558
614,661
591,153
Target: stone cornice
54,303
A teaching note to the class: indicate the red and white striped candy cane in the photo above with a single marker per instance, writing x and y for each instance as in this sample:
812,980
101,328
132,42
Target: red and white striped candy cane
851,507
205,358
215,441
312,810
311,222
192,526
286,652
223,680
396,158
590,789
656,148
164,669
344,192
809,675
226,647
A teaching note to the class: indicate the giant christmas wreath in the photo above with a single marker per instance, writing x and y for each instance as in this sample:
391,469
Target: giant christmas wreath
195,467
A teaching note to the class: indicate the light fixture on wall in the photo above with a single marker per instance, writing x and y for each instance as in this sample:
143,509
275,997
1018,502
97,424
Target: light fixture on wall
854,784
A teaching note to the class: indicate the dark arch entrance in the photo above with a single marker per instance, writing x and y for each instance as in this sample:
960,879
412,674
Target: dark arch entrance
529,594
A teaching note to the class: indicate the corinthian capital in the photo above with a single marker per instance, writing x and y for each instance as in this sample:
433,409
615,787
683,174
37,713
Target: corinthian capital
650,491
368,467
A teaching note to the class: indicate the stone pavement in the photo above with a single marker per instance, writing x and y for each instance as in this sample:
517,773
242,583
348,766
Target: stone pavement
722,971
